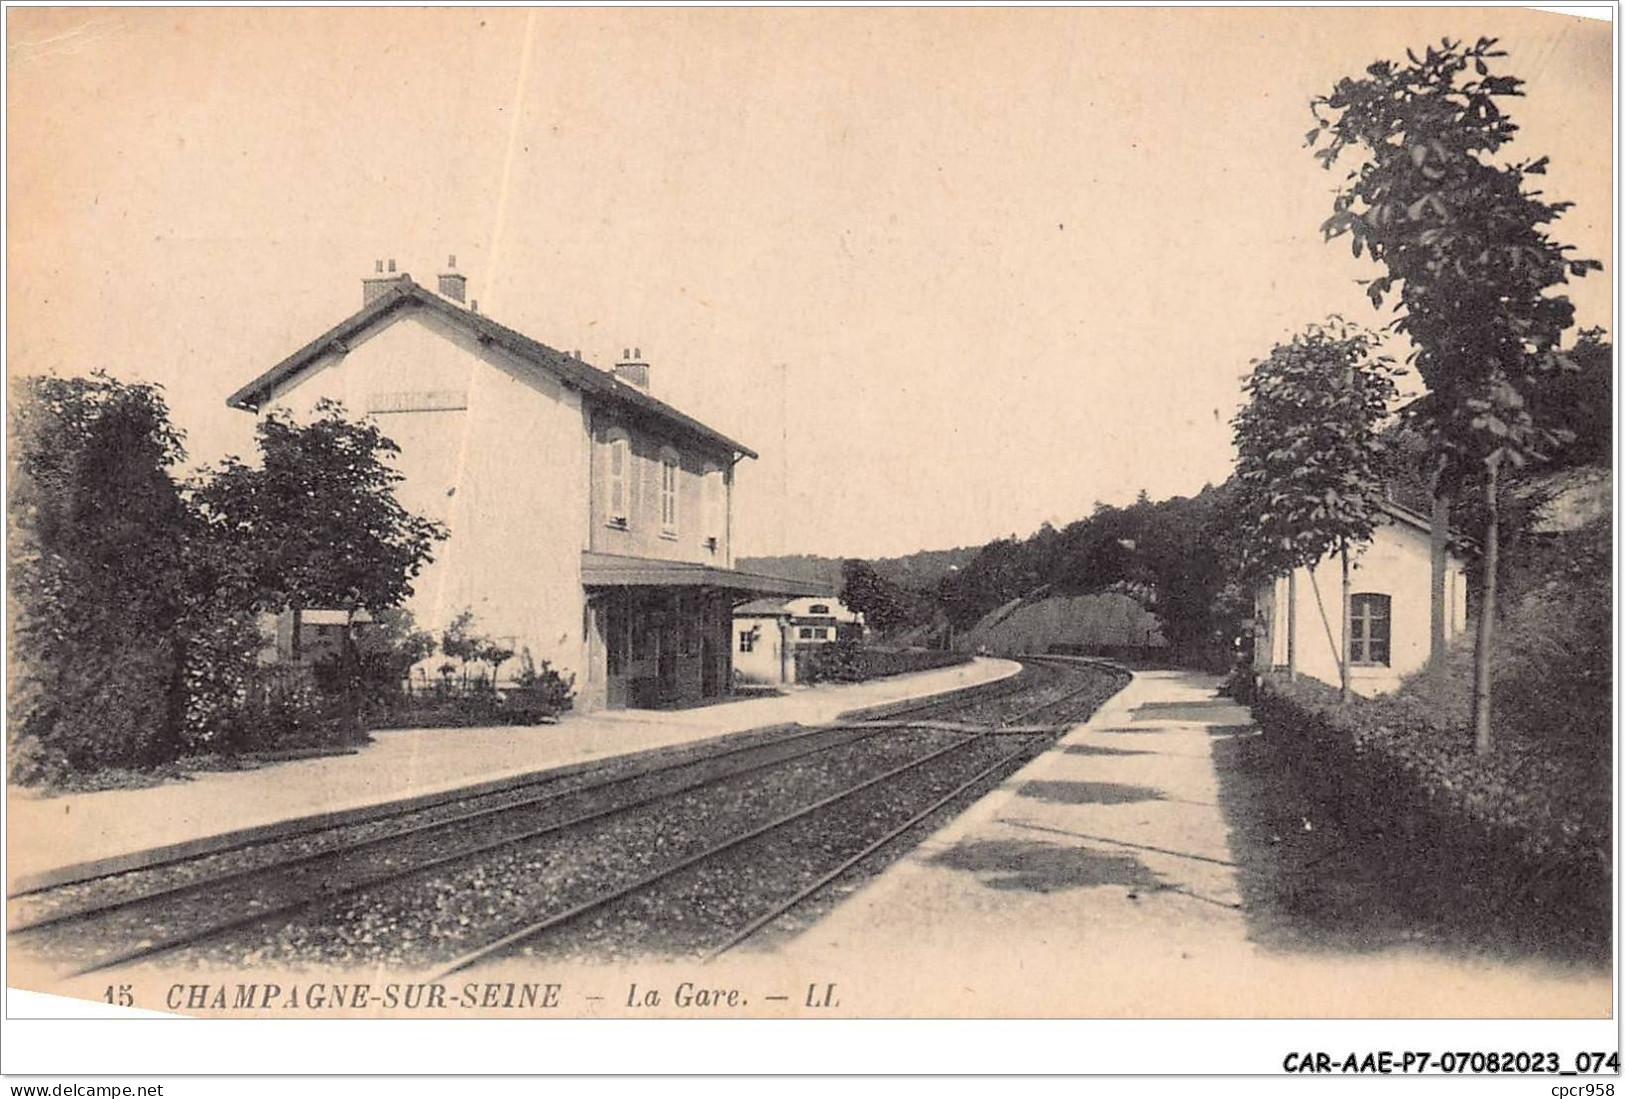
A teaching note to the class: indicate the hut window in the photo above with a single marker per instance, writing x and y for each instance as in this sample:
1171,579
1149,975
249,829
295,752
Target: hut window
1370,630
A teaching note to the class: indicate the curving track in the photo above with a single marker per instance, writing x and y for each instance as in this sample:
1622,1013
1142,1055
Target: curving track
692,855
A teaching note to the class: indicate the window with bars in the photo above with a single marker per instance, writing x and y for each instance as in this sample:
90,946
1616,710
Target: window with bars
1370,629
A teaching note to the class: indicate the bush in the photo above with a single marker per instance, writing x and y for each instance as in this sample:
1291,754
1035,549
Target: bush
1554,644
1391,774
538,694
1402,767
219,672
536,697
282,708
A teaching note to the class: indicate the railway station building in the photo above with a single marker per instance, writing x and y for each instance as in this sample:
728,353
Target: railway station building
590,523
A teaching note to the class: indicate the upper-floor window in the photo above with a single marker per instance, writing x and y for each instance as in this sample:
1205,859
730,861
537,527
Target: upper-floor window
747,640
818,608
1369,628
617,479
669,469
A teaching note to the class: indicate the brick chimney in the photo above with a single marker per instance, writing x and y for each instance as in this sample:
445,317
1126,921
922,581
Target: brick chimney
381,282
452,283
632,369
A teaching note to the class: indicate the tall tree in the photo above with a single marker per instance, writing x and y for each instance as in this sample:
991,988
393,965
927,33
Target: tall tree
317,523
1463,240
1310,468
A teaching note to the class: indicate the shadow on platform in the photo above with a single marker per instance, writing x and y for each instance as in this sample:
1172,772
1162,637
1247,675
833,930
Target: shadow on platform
1069,792
1038,867
1093,750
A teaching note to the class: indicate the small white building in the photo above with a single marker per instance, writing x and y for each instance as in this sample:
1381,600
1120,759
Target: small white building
1390,609
769,632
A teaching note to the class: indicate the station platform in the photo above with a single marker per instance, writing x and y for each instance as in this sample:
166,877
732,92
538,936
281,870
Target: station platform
1100,881
49,837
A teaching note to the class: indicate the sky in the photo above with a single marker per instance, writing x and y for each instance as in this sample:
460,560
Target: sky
953,273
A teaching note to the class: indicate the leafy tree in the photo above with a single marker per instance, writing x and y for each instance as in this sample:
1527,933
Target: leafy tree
1310,462
462,642
495,654
396,641
1181,549
98,575
1464,245
884,605
316,524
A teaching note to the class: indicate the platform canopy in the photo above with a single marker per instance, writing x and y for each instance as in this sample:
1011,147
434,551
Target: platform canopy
610,570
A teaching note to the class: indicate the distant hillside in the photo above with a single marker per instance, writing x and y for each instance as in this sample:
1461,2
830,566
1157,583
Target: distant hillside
1108,620
919,571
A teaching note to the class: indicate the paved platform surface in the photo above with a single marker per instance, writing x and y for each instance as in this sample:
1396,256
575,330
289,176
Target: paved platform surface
46,834
1099,881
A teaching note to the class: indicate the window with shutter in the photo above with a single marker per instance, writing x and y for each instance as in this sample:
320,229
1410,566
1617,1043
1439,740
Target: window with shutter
669,468
617,466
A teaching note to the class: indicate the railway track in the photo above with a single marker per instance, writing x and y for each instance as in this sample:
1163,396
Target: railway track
592,861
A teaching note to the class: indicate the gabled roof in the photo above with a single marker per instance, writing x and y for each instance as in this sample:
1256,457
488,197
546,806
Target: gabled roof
406,294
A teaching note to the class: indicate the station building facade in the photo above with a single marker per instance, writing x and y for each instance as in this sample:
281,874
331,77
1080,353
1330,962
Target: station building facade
590,523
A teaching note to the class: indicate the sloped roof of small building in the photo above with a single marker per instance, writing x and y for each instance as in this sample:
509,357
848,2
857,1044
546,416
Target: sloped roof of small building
406,294
1416,520
1407,516
762,608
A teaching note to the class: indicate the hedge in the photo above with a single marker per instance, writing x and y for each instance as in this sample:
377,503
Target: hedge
1388,773
847,662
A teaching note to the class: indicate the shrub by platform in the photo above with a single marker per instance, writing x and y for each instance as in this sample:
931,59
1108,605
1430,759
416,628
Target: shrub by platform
536,697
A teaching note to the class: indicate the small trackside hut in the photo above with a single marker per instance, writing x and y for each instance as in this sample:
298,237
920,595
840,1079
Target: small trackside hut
1298,617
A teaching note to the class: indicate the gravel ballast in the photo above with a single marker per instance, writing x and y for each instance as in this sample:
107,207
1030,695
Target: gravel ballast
471,871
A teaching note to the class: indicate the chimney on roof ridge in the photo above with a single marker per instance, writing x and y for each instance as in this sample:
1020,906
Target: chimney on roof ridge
453,284
380,283
632,369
